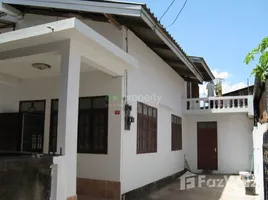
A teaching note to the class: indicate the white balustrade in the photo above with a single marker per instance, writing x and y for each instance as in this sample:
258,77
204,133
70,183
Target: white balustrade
227,103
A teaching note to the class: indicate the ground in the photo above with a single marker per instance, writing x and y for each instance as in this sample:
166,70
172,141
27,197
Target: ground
205,187
213,187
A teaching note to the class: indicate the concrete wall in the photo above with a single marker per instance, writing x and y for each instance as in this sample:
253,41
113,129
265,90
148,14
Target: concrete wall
234,141
154,77
95,83
105,29
100,167
25,177
258,134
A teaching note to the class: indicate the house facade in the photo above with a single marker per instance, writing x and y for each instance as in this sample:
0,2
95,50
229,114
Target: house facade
118,97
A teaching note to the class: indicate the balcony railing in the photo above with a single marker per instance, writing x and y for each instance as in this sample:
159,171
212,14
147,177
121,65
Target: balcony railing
220,104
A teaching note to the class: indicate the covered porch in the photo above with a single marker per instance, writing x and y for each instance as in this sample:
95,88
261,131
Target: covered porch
46,68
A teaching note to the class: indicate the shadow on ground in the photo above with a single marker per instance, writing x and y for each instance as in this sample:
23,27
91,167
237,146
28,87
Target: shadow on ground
204,187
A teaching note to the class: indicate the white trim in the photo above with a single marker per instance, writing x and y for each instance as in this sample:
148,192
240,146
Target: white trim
9,9
87,6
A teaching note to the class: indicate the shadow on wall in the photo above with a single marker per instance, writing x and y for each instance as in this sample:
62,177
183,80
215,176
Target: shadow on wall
24,177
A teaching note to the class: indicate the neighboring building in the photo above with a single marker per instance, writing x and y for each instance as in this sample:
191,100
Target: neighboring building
241,92
87,67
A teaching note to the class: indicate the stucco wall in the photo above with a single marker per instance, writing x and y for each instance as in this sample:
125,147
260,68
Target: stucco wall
154,77
107,30
258,136
95,83
235,147
101,167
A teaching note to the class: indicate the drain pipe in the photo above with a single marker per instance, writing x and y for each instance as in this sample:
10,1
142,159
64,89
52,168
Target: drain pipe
125,45
127,108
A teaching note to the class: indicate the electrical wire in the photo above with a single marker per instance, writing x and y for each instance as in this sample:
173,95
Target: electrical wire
178,14
167,9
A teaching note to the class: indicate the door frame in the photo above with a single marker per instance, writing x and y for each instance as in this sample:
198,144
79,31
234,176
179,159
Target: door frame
216,153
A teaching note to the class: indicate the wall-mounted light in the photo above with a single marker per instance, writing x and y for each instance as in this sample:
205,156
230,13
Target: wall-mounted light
41,66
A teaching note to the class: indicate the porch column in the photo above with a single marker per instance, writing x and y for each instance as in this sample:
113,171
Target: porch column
68,115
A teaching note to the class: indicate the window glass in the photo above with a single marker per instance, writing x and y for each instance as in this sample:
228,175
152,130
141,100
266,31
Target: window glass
146,129
92,125
37,106
176,133
99,102
145,108
84,103
139,108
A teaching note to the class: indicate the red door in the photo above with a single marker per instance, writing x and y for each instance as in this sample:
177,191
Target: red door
207,145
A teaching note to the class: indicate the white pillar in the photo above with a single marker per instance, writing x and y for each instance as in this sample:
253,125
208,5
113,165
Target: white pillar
68,114
47,126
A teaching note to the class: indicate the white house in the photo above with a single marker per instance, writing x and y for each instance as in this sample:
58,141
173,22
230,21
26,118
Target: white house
118,96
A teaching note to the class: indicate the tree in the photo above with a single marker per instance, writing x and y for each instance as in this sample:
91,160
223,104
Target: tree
219,86
261,69
218,89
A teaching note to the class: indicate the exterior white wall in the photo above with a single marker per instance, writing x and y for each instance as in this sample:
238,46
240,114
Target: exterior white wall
95,83
257,134
101,167
153,77
107,30
235,147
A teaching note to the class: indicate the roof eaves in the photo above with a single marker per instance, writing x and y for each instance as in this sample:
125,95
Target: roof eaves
135,10
159,29
116,1
203,62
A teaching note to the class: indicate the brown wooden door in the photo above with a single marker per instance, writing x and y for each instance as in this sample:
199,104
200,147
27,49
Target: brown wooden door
207,145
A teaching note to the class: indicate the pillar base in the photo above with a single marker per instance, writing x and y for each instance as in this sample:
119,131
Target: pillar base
72,197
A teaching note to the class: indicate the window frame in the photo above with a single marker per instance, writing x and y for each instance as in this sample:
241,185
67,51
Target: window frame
146,129
33,101
37,138
176,133
90,111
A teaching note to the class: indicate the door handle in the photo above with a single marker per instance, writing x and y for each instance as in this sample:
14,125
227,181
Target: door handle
215,150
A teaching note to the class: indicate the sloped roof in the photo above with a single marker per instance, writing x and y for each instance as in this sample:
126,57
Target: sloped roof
136,16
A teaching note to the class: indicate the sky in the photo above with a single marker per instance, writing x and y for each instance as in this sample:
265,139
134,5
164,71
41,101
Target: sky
221,31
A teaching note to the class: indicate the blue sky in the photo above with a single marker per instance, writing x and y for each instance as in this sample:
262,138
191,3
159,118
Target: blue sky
221,31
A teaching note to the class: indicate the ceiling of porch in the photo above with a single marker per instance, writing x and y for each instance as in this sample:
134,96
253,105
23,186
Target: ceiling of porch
22,67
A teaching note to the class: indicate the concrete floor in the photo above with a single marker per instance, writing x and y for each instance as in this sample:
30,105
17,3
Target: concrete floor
214,187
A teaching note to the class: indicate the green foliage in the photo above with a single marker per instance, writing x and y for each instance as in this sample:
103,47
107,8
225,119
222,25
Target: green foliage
218,89
261,69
